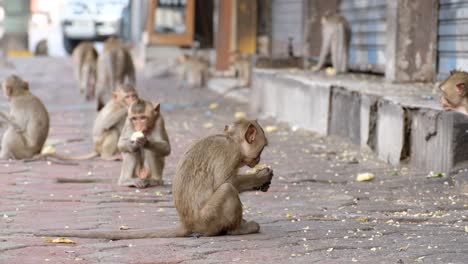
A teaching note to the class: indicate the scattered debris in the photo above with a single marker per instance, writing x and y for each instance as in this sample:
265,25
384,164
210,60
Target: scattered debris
213,106
124,228
435,175
404,248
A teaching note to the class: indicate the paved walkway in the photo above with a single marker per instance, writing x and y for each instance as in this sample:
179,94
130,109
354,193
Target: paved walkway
314,212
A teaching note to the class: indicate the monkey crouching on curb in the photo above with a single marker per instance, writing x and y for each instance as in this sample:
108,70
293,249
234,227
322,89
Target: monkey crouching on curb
206,187
27,122
144,144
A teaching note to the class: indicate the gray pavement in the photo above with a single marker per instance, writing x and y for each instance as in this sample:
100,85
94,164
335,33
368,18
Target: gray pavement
314,212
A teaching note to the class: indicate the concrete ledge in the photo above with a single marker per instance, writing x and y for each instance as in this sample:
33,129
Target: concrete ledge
401,123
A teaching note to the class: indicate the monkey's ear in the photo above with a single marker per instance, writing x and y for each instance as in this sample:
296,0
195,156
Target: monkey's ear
461,89
250,134
157,108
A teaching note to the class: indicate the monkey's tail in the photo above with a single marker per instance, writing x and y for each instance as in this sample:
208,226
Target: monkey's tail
81,157
118,235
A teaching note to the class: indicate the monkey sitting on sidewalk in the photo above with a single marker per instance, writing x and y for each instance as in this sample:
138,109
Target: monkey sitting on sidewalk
28,121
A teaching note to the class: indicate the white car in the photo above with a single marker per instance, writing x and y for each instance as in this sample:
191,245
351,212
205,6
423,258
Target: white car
91,20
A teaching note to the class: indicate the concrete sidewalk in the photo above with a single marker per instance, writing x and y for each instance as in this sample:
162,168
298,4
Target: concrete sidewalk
314,212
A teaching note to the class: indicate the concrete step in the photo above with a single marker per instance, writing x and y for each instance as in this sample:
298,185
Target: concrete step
401,123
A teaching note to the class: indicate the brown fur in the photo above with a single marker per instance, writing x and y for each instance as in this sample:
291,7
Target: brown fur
149,154
115,66
454,92
336,36
85,59
242,68
28,121
206,187
109,123
193,71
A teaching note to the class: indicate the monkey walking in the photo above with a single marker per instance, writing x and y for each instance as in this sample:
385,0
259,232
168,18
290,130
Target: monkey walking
28,121
114,66
85,59
455,92
206,187
336,35
143,156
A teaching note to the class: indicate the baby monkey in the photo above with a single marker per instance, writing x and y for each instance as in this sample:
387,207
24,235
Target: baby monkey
454,92
144,144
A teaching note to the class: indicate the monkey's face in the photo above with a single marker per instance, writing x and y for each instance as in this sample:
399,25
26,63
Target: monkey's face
130,98
140,122
452,97
253,144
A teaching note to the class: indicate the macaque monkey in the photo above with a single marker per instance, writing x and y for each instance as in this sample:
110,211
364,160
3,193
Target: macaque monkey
28,121
85,59
206,187
455,92
144,144
42,48
193,71
115,66
336,35
111,119
241,66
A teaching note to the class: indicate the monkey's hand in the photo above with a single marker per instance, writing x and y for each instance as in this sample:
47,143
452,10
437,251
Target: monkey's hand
265,175
138,143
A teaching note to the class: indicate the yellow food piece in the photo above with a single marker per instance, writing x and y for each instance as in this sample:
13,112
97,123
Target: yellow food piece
137,135
365,177
48,150
240,115
124,228
60,240
271,129
208,125
257,168
213,106
330,71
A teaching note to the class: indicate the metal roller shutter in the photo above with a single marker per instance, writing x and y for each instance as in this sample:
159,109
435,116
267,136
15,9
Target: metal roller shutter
452,44
288,17
367,19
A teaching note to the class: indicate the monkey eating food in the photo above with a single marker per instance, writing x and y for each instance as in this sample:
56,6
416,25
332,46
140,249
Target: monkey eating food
336,35
206,186
144,144
28,121
454,92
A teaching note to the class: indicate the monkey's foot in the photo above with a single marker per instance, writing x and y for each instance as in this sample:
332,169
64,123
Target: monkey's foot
155,182
196,235
143,173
